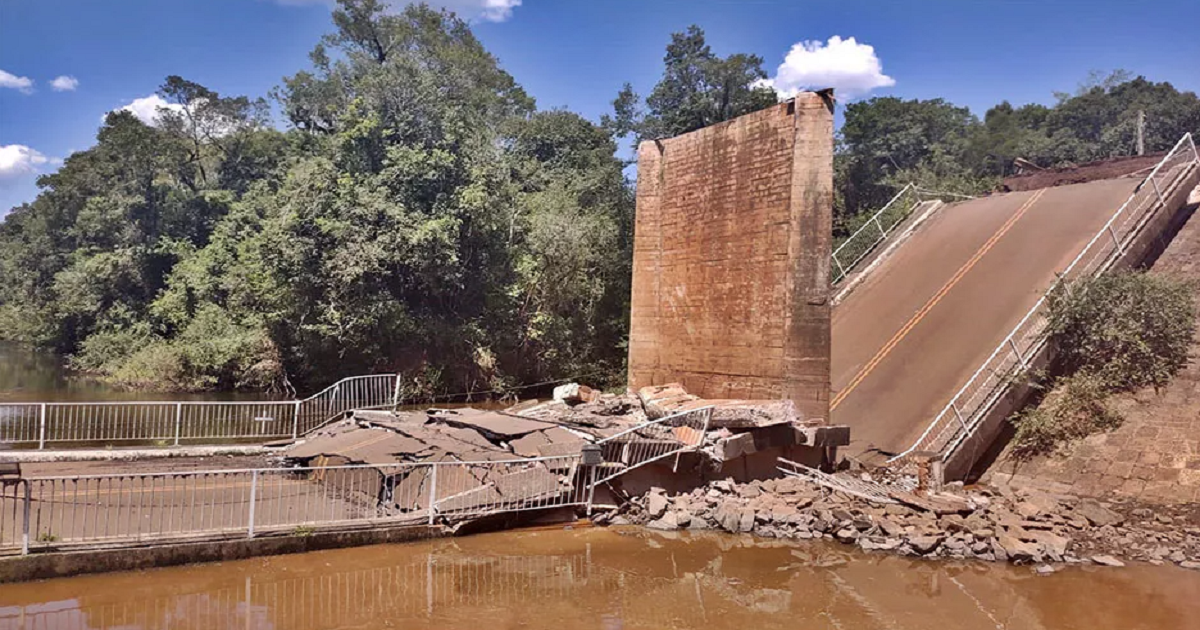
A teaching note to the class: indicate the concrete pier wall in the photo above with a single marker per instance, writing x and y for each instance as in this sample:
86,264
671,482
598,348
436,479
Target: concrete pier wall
731,258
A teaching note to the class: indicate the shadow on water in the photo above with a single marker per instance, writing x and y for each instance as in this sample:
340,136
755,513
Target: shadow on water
600,579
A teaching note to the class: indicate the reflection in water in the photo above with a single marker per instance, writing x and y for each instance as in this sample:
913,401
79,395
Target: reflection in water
599,579
28,375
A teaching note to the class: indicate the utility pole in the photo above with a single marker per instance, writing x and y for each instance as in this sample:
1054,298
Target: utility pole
1141,130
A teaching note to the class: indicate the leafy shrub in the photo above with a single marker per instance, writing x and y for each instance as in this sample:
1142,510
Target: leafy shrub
1129,329
1074,409
211,352
1114,333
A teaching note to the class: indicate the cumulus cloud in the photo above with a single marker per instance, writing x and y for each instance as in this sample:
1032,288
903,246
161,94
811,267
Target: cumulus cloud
18,160
147,108
487,10
23,85
849,67
64,83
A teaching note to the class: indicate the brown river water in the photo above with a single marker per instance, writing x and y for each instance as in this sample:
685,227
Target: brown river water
605,580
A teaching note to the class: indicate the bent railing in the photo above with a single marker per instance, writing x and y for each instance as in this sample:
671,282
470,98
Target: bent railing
43,424
48,513
967,409
653,441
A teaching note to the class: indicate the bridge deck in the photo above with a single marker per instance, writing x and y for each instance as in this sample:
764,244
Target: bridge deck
915,330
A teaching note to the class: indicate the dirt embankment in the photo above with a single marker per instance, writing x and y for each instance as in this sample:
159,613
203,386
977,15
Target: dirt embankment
1103,169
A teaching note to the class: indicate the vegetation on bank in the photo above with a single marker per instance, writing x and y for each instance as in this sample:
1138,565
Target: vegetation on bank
415,211
1112,334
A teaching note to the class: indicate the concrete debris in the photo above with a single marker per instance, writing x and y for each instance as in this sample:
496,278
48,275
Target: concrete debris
472,441
983,523
663,400
574,393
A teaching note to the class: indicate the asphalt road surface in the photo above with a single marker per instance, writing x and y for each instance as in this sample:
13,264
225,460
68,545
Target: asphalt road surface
915,330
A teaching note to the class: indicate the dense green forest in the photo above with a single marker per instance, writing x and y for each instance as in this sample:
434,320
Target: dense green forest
405,206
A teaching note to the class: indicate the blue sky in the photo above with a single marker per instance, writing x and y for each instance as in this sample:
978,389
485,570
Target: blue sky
573,53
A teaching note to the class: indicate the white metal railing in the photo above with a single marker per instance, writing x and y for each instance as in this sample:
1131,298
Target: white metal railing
653,441
175,422
46,513
966,410
873,231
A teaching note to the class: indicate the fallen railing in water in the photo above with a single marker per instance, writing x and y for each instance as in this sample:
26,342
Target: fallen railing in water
69,424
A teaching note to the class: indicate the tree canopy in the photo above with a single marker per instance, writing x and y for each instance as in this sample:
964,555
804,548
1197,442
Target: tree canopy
420,215
698,88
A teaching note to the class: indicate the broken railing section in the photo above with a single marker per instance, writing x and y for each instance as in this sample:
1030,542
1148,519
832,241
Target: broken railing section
56,513
653,441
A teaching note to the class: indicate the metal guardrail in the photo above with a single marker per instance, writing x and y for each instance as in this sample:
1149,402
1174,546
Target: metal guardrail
873,231
653,441
47,513
175,422
879,226
961,417
869,490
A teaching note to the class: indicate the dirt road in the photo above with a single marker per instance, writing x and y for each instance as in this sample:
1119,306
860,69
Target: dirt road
917,328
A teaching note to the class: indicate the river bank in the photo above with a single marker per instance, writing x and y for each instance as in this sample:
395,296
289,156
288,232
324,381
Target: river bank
981,523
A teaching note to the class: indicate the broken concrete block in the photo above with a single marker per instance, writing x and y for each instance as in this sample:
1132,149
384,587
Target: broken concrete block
1107,561
574,394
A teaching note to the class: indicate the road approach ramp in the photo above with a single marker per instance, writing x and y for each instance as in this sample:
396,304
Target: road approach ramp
913,332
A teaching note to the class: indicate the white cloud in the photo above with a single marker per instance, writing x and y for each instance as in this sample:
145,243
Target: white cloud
487,10
147,108
495,10
850,68
64,83
18,160
22,84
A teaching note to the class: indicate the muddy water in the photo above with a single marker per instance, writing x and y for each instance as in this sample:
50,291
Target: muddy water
599,579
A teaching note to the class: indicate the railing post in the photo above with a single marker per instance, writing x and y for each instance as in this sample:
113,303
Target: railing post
432,492
396,393
253,496
841,269
882,233
591,489
178,421
1020,359
296,421
1156,190
42,427
1116,241
957,414
25,525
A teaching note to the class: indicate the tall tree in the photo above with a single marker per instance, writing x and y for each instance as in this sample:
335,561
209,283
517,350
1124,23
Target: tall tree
698,88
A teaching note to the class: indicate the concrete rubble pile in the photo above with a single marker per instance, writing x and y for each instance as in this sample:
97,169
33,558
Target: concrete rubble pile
479,441
1023,527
